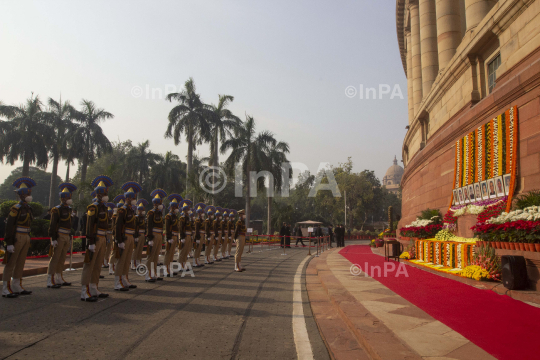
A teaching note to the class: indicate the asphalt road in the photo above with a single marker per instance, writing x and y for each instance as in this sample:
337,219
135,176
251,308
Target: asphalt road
216,314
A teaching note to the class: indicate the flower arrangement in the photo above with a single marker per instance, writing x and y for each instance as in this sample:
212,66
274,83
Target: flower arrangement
521,231
485,258
405,255
474,272
421,232
445,235
2,252
528,214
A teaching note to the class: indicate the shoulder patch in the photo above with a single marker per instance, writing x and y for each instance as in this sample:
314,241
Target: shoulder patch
14,211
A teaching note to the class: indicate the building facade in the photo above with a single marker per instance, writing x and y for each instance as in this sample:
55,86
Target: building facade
466,62
392,178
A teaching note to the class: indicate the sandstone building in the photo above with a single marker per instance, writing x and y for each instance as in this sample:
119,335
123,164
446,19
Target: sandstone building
466,62
392,178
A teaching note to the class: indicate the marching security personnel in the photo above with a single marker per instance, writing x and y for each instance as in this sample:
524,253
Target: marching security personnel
171,231
217,233
200,234
191,252
59,232
111,208
223,230
185,233
97,225
154,234
17,239
125,230
120,201
210,236
139,240
230,232
240,237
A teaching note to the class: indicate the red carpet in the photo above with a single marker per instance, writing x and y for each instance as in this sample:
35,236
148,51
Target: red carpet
504,327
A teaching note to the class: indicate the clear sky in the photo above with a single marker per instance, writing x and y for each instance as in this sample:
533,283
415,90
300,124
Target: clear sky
287,63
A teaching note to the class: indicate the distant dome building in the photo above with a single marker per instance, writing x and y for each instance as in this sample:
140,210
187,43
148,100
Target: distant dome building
392,179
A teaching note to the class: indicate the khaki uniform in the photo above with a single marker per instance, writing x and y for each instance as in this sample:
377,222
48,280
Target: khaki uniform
154,232
60,231
230,233
185,233
111,250
171,233
200,235
209,230
240,236
109,246
139,243
97,225
17,234
125,229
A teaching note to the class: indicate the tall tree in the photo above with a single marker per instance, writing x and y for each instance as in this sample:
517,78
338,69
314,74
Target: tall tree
23,136
141,160
94,141
248,149
224,122
74,147
277,154
190,117
167,173
59,118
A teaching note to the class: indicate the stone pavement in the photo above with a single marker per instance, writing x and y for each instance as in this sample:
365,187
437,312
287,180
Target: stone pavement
216,314
37,266
360,318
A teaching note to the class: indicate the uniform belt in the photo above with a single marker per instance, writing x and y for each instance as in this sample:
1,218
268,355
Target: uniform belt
157,230
242,234
22,229
102,232
130,231
109,232
141,231
211,233
202,232
64,231
175,233
188,232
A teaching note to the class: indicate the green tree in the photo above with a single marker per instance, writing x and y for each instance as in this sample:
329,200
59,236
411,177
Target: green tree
140,161
40,193
59,118
224,122
168,172
277,154
190,117
94,141
23,136
248,149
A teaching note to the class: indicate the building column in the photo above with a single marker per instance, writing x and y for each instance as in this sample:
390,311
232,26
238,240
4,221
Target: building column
428,44
476,11
416,54
448,30
410,90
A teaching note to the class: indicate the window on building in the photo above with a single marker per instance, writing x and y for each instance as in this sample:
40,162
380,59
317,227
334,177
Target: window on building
492,72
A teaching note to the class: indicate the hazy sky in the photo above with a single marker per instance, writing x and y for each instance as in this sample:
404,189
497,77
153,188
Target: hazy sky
287,63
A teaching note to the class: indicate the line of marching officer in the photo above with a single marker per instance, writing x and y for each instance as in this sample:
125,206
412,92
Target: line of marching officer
116,233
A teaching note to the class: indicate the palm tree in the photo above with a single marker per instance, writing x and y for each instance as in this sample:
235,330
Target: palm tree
94,141
74,147
59,118
24,136
224,122
277,154
167,172
140,160
190,117
250,150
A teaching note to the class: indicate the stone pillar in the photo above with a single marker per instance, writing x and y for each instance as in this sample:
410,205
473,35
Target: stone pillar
428,44
416,55
410,90
476,10
448,30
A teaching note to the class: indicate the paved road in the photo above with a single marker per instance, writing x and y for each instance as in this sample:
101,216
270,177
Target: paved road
217,314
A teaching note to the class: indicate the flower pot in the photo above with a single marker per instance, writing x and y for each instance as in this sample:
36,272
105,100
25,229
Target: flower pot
521,246
537,247
497,244
506,245
529,247
512,246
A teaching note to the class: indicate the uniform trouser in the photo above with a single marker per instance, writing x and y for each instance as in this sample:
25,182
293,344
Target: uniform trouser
15,266
198,248
169,254
153,257
216,245
56,263
186,248
122,266
139,246
92,269
240,242
229,246
109,246
111,253
210,243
